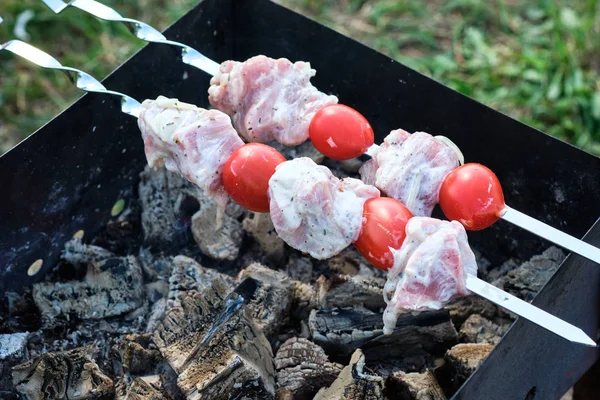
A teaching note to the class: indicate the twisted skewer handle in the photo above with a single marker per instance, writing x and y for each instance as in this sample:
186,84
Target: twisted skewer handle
82,80
140,29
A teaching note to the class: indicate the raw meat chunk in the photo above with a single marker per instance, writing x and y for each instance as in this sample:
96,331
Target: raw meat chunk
189,140
268,99
315,212
430,268
411,169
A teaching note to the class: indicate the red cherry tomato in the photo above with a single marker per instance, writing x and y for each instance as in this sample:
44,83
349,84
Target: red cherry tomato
384,222
247,172
472,195
340,132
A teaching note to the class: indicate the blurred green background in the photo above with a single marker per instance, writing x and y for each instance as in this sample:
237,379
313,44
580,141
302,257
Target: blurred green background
535,60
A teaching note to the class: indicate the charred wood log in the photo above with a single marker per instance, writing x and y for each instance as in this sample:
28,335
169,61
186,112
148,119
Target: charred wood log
460,362
188,276
168,202
527,280
303,368
414,386
138,355
111,287
218,239
340,290
271,302
463,307
260,227
354,383
414,342
214,361
143,388
64,375
477,329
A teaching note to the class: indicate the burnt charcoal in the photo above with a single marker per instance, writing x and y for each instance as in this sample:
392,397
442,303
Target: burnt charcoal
168,202
13,351
154,266
111,287
138,355
220,240
461,361
62,375
350,262
19,313
413,343
272,300
187,321
300,268
303,368
354,383
188,276
156,315
304,300
527,280
461,308
339,290
477,329
498,272
235,354
260,227
78,253
414,386
144,389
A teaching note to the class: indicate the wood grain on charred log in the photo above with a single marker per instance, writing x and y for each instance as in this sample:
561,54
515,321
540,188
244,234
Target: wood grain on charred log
303,368
354,383
413,386
260,227
111,287
416,338
461,361
341,290
236,355
272,300
62,375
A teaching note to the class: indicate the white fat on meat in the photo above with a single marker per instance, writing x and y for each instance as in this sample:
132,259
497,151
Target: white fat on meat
268,99
315,212
191,141
411,169
430,269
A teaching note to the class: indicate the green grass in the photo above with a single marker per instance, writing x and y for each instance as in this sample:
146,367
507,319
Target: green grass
535,60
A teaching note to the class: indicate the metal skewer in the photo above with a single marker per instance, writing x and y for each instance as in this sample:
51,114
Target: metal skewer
140,29
551,234
82,80
132,107
528,311
196,59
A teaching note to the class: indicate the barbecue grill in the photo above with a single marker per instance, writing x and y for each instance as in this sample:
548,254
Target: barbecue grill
68,175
